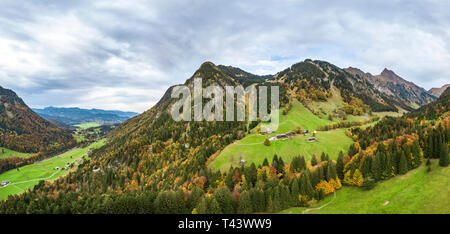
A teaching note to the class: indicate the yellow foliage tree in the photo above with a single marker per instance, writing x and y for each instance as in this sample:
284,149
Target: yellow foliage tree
325,186
358,178
347,178
336,183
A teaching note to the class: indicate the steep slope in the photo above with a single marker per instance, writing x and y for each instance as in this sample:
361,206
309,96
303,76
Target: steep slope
75,115
436,109
154,164
23,130
315,79
396,87
438,91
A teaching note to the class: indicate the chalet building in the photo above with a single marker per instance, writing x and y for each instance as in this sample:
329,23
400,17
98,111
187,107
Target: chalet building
281,136
290,134
311,139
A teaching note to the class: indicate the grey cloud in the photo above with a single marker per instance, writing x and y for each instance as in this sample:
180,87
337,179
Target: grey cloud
150,45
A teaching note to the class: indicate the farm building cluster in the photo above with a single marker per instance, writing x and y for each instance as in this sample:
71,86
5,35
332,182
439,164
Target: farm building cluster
68,165
282,136
291,134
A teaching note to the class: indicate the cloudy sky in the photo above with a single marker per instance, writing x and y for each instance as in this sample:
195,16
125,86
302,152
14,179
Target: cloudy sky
124,54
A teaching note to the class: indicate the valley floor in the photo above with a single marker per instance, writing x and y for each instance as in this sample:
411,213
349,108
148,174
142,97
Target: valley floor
28,176
416,192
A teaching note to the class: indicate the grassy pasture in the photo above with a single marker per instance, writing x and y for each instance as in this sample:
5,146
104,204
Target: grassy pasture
252,149
9,153
28,176
416,192
87,125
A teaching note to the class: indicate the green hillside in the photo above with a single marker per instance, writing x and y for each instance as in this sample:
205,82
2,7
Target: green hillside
252,149
27,177
8,153
416,192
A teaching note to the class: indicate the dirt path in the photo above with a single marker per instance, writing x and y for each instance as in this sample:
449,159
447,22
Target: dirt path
318,208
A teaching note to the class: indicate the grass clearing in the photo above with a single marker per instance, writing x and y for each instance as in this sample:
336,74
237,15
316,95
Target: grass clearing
252,149
30,175
9,153
416,192
87,125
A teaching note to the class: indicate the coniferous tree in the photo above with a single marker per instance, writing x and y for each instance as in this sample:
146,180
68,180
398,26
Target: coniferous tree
443,159
313,160
376,167
194,198
314,178
340,166
223,198
323,158
302,163
329,171
251,174
295,191
285,197
265,162
309,190
416,154
258,199
245,204
403,164
213,206
280,167
320,173
275,161
366,166
429,147
229,178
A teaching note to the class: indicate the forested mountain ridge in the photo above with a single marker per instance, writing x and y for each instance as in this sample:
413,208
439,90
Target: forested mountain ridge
23,130
153,164
75,115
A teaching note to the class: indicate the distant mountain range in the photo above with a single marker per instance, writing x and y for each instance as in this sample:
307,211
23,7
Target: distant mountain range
75,115
438,91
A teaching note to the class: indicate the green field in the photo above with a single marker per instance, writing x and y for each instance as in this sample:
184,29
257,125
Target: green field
299,116
330,142
252,149
416,192
28,176
9,153
87,125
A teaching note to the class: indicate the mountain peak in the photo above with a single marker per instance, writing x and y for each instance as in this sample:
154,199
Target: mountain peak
438,91
207,64
389,73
